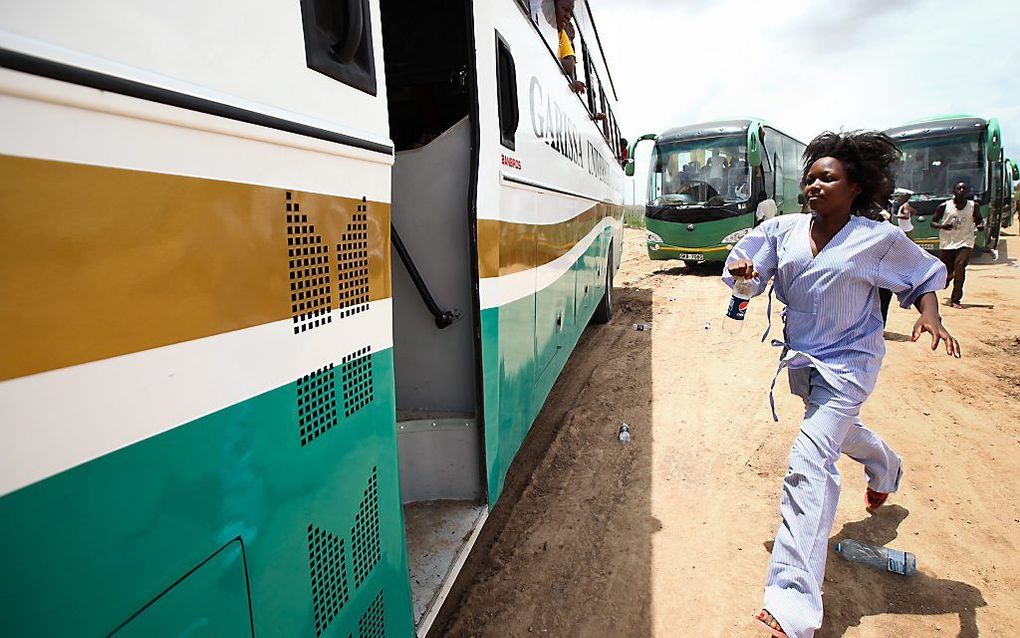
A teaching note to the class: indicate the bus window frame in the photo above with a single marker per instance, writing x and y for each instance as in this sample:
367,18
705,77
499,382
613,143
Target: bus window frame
526,14
506,95
359,72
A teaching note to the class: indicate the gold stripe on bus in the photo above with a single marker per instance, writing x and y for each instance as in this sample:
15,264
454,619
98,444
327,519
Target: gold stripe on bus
97,262
508,247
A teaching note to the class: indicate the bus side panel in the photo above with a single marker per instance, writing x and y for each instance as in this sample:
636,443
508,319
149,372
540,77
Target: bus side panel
548,211
321,525
193,364
207,49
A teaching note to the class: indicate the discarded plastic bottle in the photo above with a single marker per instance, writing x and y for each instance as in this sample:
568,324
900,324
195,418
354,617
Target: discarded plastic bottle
743,290
893,560
624,434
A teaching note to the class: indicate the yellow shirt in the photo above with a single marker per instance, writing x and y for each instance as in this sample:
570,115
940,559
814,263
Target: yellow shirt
566,49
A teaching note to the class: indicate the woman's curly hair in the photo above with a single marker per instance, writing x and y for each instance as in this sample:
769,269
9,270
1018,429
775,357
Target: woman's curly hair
868,157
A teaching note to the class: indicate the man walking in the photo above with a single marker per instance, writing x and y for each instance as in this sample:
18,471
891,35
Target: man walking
958,220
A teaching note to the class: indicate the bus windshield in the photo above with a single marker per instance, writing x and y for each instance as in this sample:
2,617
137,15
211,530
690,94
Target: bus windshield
705,172
933,165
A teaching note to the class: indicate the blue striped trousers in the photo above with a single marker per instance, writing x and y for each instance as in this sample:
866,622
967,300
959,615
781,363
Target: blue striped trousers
831,426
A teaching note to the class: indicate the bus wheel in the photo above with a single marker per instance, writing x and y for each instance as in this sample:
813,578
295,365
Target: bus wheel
604,311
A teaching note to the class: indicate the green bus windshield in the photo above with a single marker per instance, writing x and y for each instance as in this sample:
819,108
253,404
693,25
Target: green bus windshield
933,165
705,172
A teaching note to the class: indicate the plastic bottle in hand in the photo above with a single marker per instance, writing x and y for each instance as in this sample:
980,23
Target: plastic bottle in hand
743,290
886,558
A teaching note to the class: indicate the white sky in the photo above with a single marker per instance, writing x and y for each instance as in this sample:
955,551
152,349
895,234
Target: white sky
807,66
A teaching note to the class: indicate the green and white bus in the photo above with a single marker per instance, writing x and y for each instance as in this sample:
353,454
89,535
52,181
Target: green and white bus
710,183
939,153
232,401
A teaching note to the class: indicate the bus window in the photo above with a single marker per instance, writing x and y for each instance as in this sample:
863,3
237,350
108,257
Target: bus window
778,168
701,171
338,41
767,175
602,117
594,88
932,166
655,176
506,89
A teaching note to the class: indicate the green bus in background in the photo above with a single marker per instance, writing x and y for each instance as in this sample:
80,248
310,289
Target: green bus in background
941,152
710,183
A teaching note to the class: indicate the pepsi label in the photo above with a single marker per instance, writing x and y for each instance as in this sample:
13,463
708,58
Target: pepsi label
737,308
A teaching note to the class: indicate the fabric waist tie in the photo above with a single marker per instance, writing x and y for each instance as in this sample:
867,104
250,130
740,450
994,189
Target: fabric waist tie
768,313
784,360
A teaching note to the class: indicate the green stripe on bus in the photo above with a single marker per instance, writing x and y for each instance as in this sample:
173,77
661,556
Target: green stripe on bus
85,550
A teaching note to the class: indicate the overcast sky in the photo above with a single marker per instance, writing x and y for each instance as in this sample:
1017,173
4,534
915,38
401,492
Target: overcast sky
807,66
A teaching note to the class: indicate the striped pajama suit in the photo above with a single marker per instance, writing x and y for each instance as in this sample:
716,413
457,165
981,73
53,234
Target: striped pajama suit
833,348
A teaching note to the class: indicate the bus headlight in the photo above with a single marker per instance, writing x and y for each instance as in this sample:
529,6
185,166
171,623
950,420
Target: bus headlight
653,238
734,237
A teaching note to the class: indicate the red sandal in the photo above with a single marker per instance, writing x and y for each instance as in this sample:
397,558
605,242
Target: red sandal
759,618
874,499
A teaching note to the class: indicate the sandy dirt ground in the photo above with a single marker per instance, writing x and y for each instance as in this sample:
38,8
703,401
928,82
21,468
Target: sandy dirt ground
670,535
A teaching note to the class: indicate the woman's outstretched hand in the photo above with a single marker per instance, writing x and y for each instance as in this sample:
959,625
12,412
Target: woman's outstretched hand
742,268
932,323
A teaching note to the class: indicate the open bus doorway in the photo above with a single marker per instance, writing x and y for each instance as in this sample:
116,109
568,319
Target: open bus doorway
427,64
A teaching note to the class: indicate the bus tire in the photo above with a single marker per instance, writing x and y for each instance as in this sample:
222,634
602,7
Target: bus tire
604,311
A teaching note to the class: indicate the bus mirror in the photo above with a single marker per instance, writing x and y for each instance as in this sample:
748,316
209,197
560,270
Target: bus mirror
753,147
1016,171
629,168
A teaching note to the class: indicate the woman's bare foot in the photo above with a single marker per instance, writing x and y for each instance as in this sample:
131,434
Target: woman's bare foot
770,621
956,305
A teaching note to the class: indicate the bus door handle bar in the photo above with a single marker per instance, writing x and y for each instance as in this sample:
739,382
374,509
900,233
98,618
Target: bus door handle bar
443,318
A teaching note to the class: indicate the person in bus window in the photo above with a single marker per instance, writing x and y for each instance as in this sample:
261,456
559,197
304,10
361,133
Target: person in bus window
715,164
827,268
958,220
568,58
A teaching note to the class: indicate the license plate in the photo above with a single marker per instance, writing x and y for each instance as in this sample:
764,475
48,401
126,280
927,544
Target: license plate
691,256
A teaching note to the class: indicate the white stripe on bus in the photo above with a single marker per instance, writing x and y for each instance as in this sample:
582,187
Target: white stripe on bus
58,419
499,291
85,126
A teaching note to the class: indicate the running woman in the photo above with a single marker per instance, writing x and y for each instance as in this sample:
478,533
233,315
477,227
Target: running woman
827,269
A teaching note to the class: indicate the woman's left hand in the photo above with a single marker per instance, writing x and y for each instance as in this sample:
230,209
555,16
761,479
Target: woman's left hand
933,324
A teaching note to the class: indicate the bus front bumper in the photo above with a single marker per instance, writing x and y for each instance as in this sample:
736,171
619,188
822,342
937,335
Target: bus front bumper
662,250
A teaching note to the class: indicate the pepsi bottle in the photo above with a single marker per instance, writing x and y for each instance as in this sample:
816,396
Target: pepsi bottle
743,290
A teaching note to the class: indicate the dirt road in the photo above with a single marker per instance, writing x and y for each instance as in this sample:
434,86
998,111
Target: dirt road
669,536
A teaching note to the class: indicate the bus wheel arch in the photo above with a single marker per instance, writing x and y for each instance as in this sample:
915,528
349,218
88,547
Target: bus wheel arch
604,311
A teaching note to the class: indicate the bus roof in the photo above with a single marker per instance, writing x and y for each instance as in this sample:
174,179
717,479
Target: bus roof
715,128
945,125
705,129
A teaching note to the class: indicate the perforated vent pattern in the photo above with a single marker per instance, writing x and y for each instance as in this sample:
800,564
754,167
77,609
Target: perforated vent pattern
372,623
310,288
357,379
328,566
365,533
316,403
352,257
